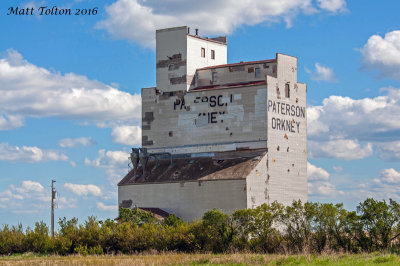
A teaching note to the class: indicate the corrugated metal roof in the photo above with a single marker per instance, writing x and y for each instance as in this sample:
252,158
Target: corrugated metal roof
235,165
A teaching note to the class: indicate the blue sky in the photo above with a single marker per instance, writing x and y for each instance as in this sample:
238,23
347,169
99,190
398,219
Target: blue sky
70,85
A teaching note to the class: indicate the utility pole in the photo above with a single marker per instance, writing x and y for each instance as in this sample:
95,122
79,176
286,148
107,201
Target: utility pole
53,197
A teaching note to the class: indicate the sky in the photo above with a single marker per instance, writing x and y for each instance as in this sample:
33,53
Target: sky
70,93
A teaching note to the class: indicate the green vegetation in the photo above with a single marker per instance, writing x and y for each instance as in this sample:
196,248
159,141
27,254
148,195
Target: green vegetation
310,228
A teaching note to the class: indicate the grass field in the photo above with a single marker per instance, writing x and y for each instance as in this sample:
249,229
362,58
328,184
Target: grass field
204,259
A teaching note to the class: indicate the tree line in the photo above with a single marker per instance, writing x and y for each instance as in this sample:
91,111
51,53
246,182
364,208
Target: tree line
298,228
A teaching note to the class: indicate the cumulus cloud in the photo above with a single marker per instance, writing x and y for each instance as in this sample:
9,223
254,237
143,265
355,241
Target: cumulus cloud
136,20
103,207
346,128
31,91
334,6
11,121
366,119
383,54
347,149
83,190
128,135
114,163
390,176
319,183
29,154
322,73
383,187
31,197
29,186
389,151
72,143
316,173
323,189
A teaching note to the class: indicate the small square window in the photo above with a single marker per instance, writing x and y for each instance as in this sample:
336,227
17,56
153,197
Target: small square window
257,72
203,52
212,54
171,67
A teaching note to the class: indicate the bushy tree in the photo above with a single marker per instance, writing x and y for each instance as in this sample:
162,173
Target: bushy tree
297,221
135,216
377,221
219,229
259,226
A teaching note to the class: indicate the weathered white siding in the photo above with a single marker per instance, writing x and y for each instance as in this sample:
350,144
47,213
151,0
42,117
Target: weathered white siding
169,43
257,184
287,145
195,61
178,55
188,200
204,117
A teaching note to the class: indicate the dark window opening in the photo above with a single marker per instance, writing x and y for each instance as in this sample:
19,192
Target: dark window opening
214,77
287,90
212,54
257,73
203,52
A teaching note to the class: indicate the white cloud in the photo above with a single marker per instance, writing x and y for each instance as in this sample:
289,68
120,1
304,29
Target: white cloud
334,6
83,190
136,20
128,135
114,163
316,173
347,149
103,207
322,73
390,176
323,189
389,151
29,186
365,119
383,54
72,143
30,197
31,91
11,121
384,187
346,128
319,183
29,154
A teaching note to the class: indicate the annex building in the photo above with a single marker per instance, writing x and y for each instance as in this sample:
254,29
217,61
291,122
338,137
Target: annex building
217,135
